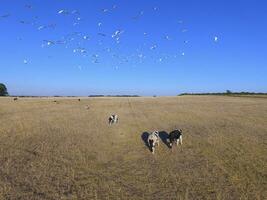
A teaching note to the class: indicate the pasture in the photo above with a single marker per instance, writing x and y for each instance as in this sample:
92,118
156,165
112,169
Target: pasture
62,150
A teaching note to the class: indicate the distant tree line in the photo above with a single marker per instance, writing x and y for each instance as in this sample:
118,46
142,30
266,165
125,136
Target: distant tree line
227,92
113,96
3,90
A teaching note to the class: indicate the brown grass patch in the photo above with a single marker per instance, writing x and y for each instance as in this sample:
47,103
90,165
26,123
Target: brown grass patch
57,151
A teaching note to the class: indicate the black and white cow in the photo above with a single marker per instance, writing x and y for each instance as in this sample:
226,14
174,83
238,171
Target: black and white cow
152,140
113,119
175,136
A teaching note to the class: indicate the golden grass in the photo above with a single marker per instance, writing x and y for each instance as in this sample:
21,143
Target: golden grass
64,151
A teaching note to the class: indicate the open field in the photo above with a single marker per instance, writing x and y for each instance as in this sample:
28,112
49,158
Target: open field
62,150
250,96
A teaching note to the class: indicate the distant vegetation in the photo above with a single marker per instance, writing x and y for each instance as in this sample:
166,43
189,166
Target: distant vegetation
228,92
3,90
113,96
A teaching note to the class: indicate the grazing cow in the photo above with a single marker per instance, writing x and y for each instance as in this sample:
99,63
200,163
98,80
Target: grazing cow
175,136
79,99
113,119
152,140
15,99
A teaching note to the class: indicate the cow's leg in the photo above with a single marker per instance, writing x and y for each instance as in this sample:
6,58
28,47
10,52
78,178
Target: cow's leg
181,140
171,143
153,147
177,141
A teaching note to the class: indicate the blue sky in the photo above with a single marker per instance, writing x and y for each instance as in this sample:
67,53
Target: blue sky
161,47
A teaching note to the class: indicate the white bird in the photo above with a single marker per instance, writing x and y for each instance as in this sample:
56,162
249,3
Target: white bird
117,34
63,12
153,47
215,39
141,13
141,56
167,37
49,42
80,50
105,10
41,27
25,61
83,50
75,12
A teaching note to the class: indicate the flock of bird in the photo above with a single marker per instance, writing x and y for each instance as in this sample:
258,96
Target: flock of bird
76,41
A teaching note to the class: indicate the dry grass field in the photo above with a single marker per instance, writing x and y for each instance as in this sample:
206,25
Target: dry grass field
62,150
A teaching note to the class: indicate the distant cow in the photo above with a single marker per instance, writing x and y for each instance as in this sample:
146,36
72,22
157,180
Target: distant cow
152,140
15,99
113,119
79,99
175,136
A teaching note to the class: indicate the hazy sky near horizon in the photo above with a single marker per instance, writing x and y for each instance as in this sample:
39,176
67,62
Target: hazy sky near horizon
162,47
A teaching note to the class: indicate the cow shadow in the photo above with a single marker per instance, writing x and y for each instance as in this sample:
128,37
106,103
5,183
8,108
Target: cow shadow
164,136
144,137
